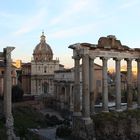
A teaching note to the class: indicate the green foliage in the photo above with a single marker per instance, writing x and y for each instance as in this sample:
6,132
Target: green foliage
25,118
2,129
52,120
63,131
116,116
3,134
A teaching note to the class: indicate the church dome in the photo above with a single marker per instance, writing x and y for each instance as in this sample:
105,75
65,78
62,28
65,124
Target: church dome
43,51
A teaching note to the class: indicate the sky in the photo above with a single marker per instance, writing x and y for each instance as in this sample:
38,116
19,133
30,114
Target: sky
66,22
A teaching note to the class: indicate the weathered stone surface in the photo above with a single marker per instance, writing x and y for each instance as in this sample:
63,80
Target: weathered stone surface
109,126
83,131
118,126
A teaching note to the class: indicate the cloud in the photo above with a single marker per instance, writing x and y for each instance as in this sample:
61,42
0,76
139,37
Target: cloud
73,31
87,28
73,9
32,23
129,4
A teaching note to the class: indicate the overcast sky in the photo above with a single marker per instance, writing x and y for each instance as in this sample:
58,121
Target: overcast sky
66,22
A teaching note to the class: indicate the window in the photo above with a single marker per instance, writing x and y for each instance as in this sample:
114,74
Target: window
38,68
45,69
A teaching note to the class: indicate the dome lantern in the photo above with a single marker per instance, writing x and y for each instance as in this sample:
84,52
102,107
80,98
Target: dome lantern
43,38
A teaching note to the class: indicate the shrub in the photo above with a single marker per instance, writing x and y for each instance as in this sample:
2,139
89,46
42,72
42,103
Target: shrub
52,120
63,131
17,93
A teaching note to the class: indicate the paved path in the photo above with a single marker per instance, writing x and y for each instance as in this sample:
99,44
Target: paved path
51,112
47,134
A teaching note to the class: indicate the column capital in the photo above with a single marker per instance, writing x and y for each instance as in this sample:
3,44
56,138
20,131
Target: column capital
8,49
117,59
92,57
128,59
104,58
76,57
138,59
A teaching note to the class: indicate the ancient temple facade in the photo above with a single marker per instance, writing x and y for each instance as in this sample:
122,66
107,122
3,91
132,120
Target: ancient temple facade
107,48
42,68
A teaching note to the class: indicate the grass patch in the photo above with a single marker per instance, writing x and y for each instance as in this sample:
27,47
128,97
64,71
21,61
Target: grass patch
112,116
2,129
25,118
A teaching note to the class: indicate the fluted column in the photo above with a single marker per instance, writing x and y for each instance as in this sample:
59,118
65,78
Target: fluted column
77,111
138,82
118,84
91,85
85,88
105,85
129,83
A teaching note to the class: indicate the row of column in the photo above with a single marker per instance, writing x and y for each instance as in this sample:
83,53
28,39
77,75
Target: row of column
65,96
88,86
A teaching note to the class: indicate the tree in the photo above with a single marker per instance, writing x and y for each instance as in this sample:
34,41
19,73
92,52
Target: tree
17,93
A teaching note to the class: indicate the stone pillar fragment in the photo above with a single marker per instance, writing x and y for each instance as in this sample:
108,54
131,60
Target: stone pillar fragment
118,84
71,98
85,88
91,85
129,83
138,81
7,94
105,85
77,102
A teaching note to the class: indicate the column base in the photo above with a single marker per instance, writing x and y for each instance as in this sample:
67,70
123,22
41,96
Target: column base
83,128
130,108
93,113
77,114
87,120
105,111
119,110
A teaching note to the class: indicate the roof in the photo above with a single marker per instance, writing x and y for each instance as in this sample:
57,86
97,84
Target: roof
43,51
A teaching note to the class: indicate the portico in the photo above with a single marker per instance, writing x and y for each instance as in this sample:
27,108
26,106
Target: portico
107,48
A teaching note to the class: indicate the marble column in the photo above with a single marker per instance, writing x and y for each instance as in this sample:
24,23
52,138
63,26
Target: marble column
7,94
118,84
105,85
77,102
91,86
55,94
58,97
85,88
71,98
129,83
138,82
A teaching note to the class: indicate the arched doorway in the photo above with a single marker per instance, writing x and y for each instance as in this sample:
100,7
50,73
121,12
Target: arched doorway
45,87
